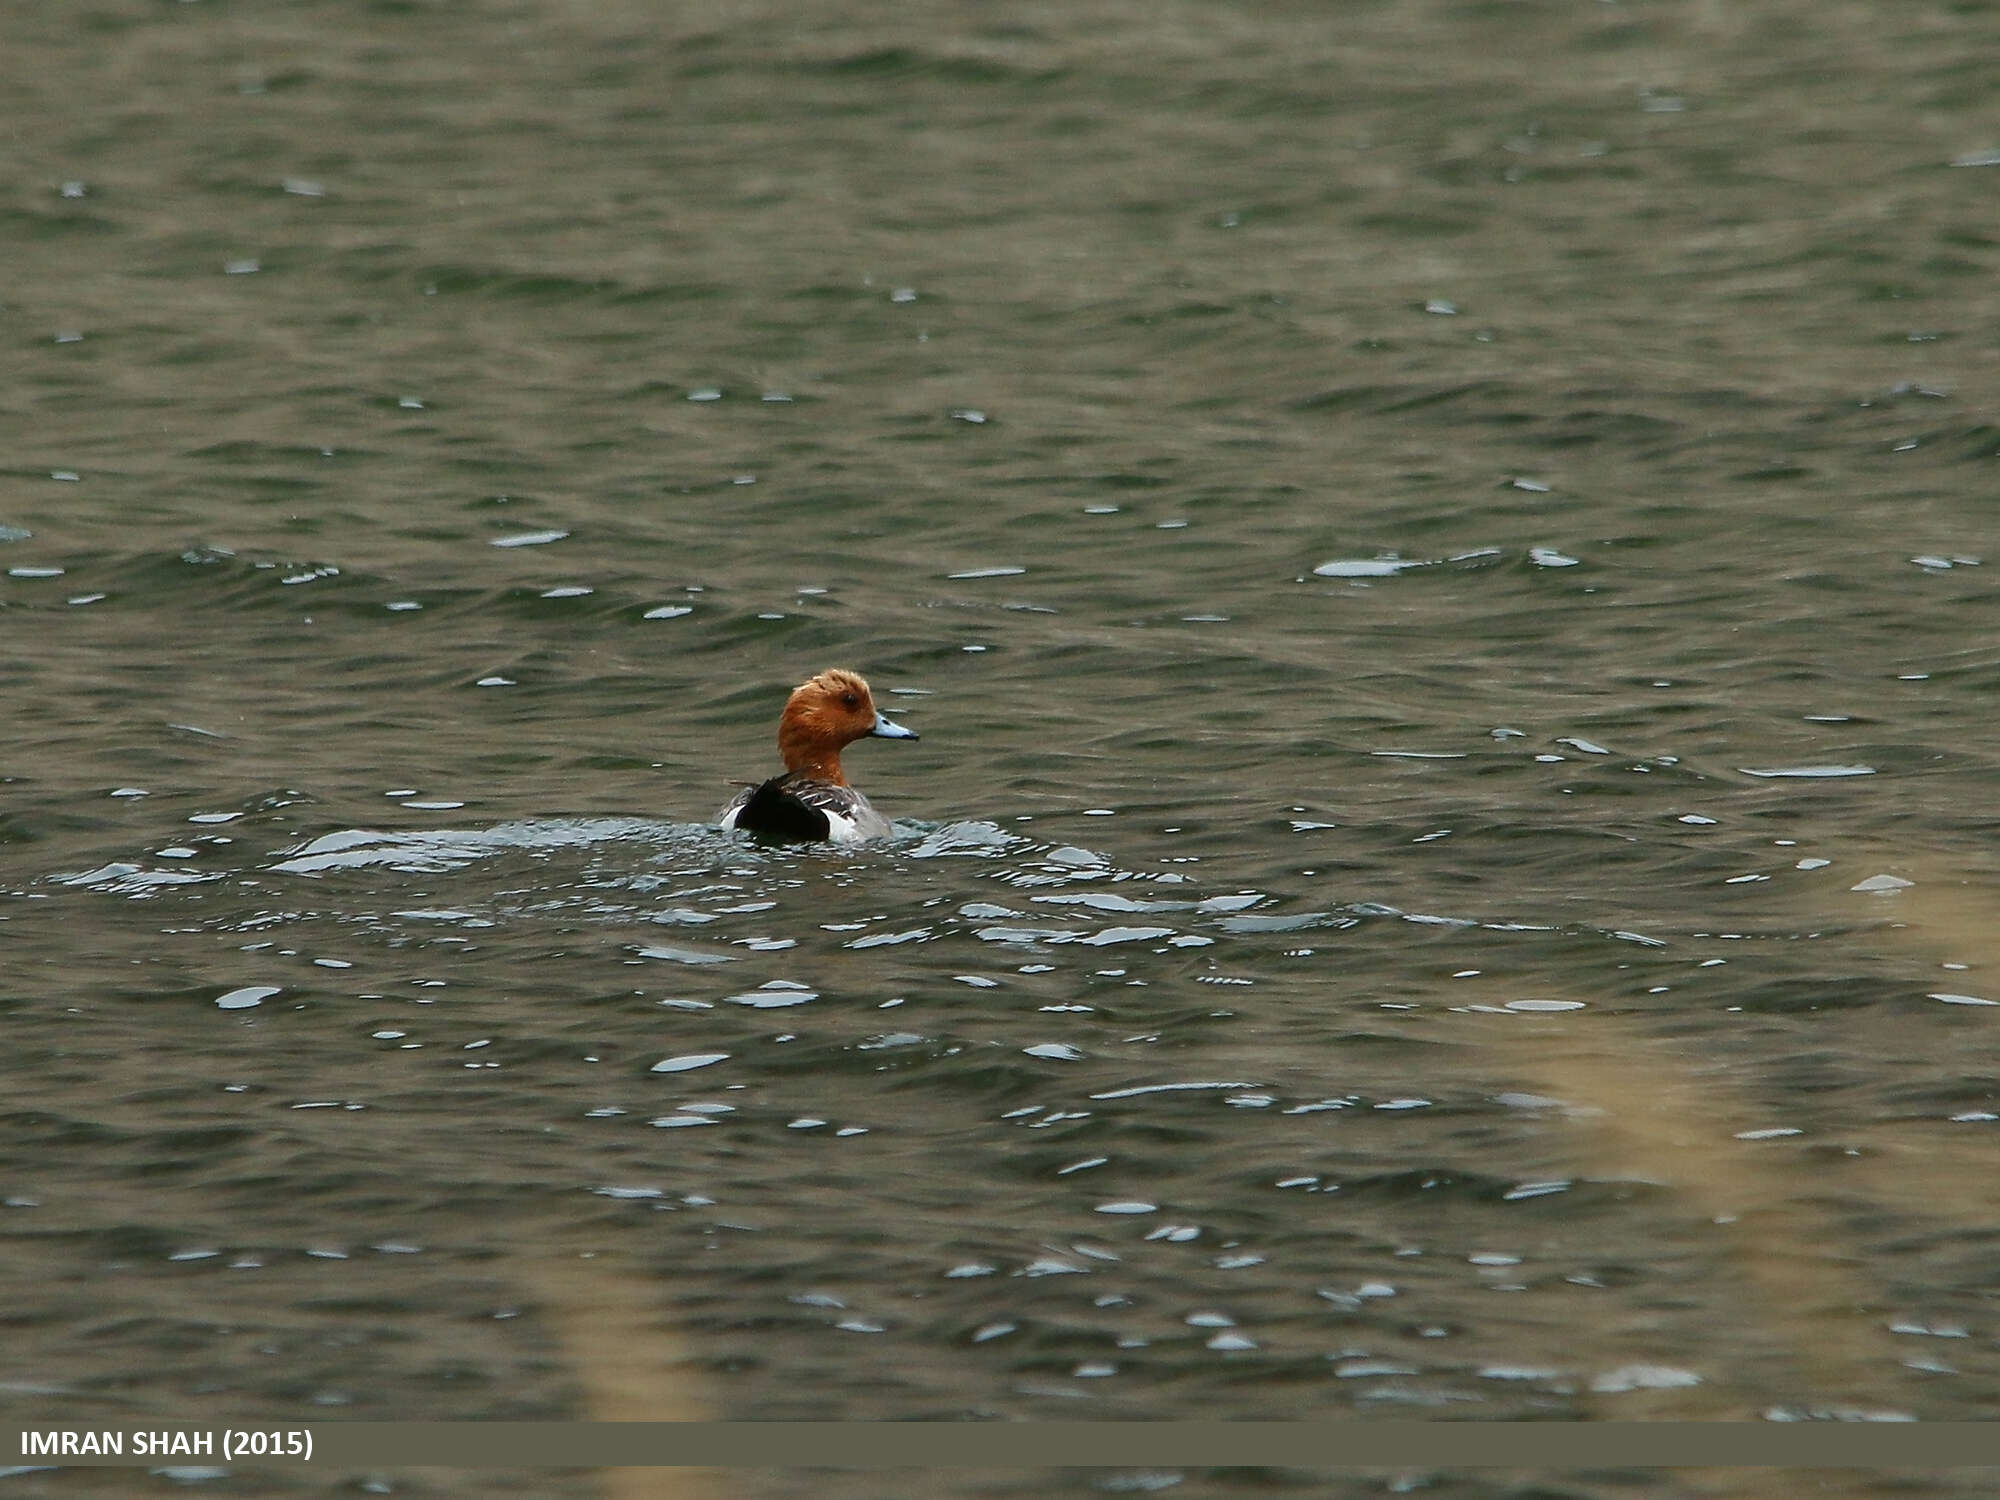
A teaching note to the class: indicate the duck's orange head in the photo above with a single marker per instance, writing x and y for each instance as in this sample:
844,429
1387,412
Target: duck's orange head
832,710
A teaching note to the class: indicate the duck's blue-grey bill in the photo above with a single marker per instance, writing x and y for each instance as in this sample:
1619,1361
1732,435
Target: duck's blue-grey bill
888,729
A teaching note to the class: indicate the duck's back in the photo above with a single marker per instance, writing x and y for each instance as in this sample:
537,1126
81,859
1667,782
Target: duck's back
803,809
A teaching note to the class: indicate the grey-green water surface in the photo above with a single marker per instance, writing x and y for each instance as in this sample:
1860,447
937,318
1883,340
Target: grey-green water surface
1443,556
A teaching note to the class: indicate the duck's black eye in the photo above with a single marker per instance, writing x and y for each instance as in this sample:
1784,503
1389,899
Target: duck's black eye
850,700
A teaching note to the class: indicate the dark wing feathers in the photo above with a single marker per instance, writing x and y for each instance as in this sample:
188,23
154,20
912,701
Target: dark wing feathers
793,808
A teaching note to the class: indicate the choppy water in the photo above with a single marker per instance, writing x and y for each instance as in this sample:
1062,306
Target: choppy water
1443,558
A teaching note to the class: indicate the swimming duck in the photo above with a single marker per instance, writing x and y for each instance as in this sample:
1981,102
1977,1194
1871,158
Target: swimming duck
812,800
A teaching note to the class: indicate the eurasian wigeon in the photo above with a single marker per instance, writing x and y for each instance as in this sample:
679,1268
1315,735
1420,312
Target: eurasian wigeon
812,800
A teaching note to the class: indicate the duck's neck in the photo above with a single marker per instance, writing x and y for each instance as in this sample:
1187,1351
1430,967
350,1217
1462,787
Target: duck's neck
808,754
820,766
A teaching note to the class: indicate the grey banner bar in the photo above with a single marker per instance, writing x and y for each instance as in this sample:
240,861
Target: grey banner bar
1543,1446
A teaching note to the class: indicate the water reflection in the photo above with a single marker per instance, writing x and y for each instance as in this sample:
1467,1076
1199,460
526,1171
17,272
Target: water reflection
1429,1185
